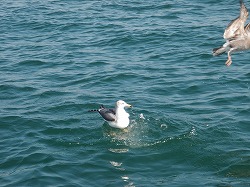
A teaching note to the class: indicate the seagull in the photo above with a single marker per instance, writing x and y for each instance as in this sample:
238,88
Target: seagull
237,35
116,117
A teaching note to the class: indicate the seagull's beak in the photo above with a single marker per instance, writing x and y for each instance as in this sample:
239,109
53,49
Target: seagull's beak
129,106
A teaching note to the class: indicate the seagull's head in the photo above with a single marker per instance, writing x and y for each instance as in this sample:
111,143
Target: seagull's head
122,104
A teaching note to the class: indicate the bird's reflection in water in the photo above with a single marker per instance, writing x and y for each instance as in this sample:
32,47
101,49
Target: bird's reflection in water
121,141
119,166
119,151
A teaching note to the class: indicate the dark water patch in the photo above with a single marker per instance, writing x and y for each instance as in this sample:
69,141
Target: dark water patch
29,71
65,129
97,64
16,122
192,89
49,94
238,169
32,63
10,92
12,89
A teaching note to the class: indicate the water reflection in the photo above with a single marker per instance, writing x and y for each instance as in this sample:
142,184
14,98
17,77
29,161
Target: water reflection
119,150
119,166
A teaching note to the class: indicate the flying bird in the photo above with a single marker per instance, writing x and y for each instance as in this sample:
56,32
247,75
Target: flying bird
116,117
237,35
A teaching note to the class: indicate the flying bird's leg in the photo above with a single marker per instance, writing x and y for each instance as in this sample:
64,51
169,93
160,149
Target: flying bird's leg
229,59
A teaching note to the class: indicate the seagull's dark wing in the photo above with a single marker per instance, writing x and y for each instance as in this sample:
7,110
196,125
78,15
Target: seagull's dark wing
107,114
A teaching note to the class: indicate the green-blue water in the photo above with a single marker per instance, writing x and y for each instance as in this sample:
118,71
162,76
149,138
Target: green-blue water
59,59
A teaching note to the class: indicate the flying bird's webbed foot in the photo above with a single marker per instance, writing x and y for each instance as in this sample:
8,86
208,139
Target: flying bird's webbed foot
229,61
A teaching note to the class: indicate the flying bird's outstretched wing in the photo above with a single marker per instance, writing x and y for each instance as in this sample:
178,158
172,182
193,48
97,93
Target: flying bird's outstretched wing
247,29
236,29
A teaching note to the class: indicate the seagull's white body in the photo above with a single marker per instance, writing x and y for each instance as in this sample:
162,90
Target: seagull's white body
122,118
118,117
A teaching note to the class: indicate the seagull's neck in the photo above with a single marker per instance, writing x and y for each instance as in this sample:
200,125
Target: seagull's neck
121,112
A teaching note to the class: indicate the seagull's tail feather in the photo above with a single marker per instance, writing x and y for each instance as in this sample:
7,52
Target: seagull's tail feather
94,110
219,51
97,110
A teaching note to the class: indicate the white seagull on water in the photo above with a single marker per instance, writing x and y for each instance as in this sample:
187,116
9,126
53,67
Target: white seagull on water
237,35
116,117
